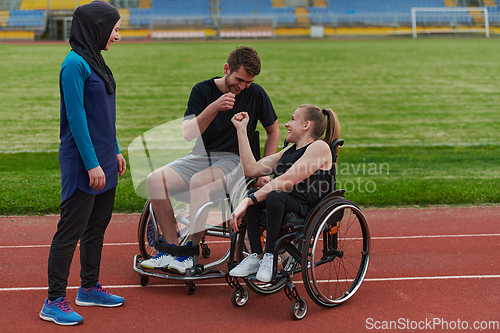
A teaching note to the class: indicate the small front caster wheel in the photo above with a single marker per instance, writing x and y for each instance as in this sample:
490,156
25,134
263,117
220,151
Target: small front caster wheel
144,280
239,297
205,252
298,309
190,287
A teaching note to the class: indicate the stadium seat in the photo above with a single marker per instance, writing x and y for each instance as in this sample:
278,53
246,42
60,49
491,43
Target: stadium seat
229,9
31,19
68,4
173,11
33,4
4,17
387,12
125,15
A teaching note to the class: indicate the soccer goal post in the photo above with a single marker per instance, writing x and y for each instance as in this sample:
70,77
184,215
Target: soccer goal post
414,11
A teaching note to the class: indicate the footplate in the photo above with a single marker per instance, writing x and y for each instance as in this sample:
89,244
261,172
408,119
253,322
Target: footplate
196,273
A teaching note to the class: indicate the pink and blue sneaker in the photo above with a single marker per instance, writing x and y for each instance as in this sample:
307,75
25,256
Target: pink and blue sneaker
60,312
98,297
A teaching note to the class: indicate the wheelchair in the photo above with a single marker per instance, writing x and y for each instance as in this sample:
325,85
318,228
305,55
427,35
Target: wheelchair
330,248
149,234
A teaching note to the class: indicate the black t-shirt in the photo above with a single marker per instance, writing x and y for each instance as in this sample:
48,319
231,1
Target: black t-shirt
312,189
220,135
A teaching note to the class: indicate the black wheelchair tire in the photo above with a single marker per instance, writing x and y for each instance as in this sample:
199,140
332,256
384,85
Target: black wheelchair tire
297,309
145,247
351,239
239,297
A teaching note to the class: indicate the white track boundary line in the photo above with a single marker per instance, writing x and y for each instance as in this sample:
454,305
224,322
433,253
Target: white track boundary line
44,246
227,241
435,236
412,278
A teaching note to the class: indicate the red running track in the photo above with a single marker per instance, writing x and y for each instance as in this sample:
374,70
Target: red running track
431,269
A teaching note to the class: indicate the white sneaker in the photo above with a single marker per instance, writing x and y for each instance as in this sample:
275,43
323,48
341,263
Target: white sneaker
265,272
161,260
180,264
247,266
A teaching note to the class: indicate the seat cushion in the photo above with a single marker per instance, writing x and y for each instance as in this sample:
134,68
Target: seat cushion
292,220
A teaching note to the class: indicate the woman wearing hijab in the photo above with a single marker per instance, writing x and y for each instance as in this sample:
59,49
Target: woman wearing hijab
90,162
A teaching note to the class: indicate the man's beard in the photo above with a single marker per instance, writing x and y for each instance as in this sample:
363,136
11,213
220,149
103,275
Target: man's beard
226,80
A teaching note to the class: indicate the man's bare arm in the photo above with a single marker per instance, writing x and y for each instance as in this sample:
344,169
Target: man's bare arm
193,128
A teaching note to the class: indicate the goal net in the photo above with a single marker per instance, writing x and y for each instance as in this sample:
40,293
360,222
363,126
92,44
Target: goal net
454,17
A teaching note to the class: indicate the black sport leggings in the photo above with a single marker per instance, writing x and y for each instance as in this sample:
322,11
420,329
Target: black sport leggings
276,205
84,217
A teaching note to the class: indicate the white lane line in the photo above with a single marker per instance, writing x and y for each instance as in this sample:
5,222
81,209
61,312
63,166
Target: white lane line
452,277
105,244
436,236
41,246
411,278
228,241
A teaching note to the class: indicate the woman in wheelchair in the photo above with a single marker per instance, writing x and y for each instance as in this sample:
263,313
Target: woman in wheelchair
302,175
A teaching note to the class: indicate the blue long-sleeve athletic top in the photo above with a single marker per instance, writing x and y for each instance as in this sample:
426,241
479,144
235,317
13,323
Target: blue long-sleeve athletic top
87,130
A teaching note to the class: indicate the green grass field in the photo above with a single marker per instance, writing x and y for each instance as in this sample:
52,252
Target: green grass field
420,118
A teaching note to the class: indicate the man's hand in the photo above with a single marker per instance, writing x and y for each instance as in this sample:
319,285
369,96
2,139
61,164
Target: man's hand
122,164
194,127
225,102
97,178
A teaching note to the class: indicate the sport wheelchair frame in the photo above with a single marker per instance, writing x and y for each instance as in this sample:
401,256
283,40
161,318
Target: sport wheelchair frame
148,235
330,248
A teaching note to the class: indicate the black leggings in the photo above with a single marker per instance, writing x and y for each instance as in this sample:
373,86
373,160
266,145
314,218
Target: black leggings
276,205
84,217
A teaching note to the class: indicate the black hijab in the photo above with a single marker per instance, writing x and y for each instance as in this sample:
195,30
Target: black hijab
90,30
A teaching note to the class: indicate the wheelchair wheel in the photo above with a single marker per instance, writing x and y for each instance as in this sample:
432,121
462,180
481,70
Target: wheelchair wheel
148,228
205,250
146,233
144,280
239,297
297,309
336,253
264,288
190,287
240,191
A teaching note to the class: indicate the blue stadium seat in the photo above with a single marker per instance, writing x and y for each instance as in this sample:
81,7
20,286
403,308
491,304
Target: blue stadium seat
231,8
361,12
30,19
180,11
386,12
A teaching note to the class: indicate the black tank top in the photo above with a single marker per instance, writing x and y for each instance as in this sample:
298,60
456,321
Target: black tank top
312,189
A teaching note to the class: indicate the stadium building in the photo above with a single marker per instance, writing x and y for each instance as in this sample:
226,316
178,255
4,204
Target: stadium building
223,19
